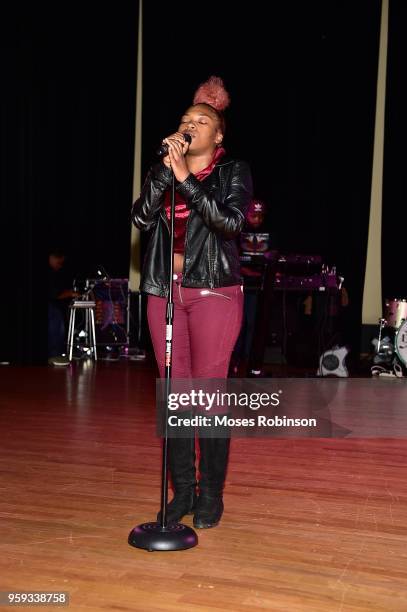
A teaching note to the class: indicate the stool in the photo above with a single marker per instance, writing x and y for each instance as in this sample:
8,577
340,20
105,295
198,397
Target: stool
89,307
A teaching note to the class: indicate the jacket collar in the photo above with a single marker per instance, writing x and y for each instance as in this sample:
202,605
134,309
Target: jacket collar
224,161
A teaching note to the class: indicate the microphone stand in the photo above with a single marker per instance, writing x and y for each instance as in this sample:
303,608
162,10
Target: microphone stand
163,536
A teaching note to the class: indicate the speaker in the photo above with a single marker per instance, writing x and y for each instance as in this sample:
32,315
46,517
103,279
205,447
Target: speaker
332,362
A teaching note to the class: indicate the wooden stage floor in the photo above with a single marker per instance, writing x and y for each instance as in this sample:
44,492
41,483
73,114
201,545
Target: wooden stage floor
309,525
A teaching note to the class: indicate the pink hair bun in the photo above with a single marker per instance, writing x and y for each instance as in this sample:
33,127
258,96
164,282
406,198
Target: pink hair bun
213,92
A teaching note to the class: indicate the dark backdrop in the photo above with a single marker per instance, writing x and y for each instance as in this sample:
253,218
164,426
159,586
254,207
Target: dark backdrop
302,79
394,234
67,134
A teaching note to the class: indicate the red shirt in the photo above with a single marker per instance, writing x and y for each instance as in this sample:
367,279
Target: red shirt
181,210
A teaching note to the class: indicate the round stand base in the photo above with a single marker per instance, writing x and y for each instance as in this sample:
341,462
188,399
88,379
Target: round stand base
151,536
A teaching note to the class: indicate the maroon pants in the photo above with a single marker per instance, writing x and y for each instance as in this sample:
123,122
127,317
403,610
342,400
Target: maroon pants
206,325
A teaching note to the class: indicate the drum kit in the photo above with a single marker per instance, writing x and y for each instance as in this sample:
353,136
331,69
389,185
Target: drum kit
395,322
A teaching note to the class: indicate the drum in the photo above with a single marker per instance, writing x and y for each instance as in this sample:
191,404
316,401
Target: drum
400,343
395,312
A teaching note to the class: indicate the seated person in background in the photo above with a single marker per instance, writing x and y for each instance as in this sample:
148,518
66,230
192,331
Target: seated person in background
255,250
58,294
256,256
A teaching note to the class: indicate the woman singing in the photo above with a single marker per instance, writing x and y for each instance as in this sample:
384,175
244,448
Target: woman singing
212,194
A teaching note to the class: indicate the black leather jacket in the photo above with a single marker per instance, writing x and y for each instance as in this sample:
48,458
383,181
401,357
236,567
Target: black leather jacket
218,205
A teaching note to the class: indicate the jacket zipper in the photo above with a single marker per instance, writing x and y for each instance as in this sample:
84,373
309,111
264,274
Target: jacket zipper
211,238
164,216
211,262
186,242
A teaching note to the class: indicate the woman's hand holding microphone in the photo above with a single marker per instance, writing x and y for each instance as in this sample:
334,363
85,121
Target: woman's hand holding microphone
175,158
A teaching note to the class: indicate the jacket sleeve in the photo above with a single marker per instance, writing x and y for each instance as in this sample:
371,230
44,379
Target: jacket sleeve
146,208
227,217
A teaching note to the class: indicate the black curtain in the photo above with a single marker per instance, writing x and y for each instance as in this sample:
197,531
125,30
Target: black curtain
67,141
302,78
395,182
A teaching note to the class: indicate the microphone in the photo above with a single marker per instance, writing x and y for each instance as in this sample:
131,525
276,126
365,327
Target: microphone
163,148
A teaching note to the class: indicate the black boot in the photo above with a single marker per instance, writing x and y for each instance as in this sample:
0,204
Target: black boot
212,466
181,460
